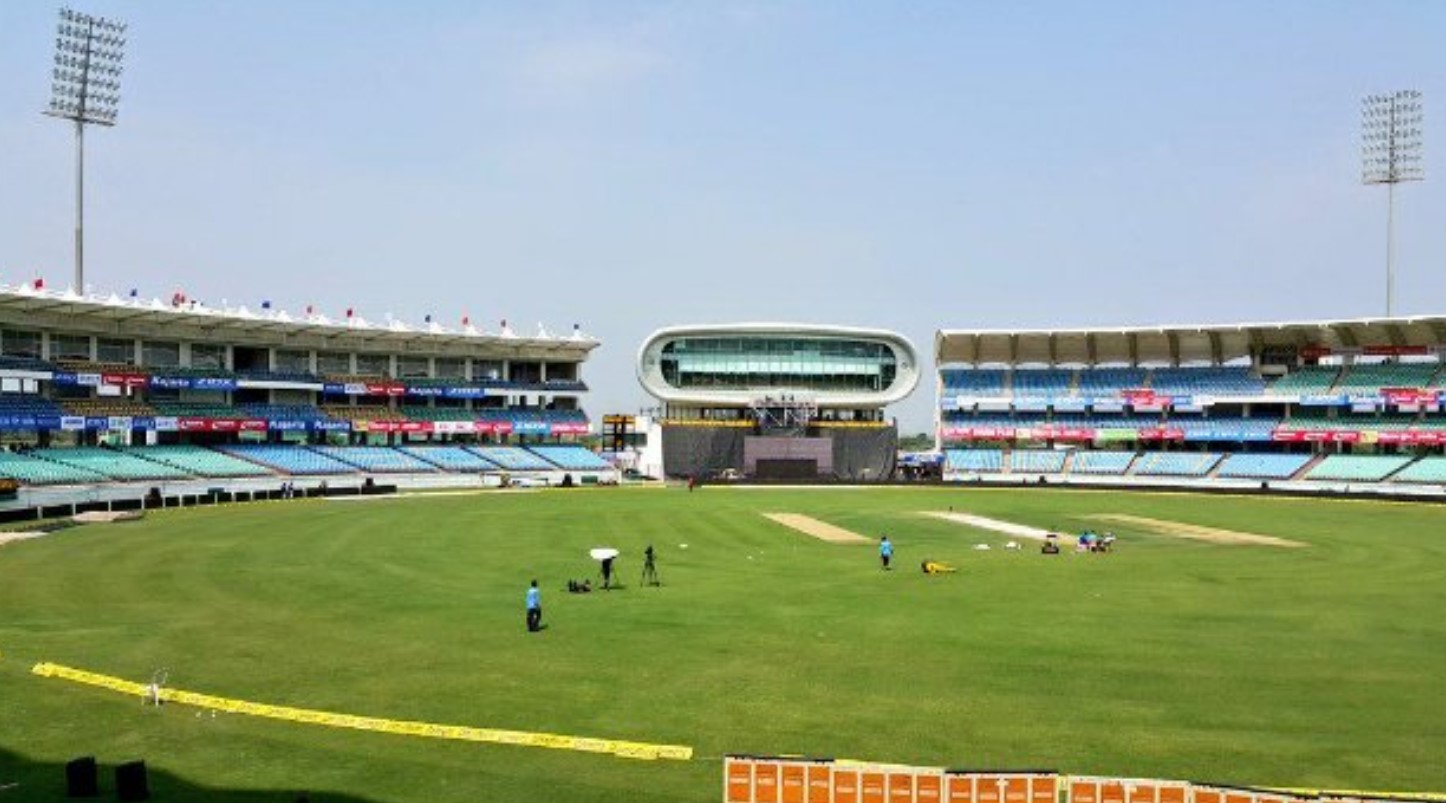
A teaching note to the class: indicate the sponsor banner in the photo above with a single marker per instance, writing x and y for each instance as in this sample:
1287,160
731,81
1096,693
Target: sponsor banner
993,405
1161,434
384,389
167,423
1112,435
411,427
193,383
1032,404
125,380
454,427
1365,404
978,433
19,422
570,428
1411,396
531,427
1107,405
289,425
496,427
1187,404
118,423
96,422
11,373
1323,401
278,385
1395,351
333,389
330,425
1316,436
143,422
1153,406
72,423
463,393
1143,397
429,391
960,402
1412,438
1069,404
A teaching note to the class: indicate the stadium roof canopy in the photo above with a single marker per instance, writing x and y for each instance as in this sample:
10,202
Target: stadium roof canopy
27,306
1216,343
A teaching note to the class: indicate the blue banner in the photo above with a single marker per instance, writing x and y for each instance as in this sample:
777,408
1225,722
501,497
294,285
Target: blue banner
1322,401
463,393
531,428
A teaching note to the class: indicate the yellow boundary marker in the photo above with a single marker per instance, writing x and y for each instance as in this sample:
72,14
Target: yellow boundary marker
554,741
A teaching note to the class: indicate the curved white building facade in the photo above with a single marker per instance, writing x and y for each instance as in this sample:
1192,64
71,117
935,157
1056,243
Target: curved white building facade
733,365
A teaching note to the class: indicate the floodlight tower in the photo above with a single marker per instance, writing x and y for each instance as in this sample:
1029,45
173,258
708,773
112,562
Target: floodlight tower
85,89
1390,154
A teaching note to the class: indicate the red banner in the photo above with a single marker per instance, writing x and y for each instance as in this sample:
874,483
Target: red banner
978,433
1162,434
1399,396
1395,351
125,380
1138,397
1413,438
221,424
1316,435
386,389
570,428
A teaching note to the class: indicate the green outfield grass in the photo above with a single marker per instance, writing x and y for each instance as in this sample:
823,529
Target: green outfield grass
1175,659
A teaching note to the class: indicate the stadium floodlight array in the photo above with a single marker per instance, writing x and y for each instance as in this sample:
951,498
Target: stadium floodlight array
1391,152
85,89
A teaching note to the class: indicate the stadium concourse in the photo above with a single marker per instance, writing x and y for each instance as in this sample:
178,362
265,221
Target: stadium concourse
101,396
1320,406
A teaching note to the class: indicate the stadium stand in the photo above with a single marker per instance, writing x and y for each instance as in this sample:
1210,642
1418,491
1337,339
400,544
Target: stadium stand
974,460
1357,468
1263,466
1310,380
1042,382
362,412
375,458
199,461
1177,464
19,363
26,405
511,458
32,470
1211,380
1104,463
420,413
1427,469
973,382
285,412
197,410
449,458
1110,381
289,377
571,458
1370,378
107,407
113,464
289,459
1036,461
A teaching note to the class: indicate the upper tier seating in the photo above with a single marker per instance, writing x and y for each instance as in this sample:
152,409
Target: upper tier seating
25,404
511,458
363,412
94,367
36,471
1310,380
1036,461
1427,469
420,413
1102,462
1212,381
285,412
1109,381
1263,466
290,459
1367,379
1176,464
1225,429
12,363
1357,468
297,377
198,410
981,460
1042,382
574,458
114,464
449,458
199,461
375,458
973,382
107,407
193,373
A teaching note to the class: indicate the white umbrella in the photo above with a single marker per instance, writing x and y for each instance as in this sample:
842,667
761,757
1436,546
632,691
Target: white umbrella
602,553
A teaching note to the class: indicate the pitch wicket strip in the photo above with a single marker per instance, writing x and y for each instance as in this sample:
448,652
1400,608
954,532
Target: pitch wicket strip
555,741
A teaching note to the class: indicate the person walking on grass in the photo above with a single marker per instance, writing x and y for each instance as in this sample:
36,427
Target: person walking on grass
534,608
886,551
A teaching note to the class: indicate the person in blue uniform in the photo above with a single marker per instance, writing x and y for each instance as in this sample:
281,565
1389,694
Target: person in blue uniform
534,608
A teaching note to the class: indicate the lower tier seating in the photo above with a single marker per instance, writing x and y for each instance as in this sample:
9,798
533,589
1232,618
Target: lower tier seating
1177,464
574,458
1263,466
1103,463
1357,468
199,461
983,460
290,459
1036,461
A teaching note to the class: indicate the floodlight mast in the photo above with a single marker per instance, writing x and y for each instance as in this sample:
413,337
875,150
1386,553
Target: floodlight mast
1390,154
85,89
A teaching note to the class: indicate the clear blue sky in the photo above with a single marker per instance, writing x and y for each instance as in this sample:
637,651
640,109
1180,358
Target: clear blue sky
627,166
